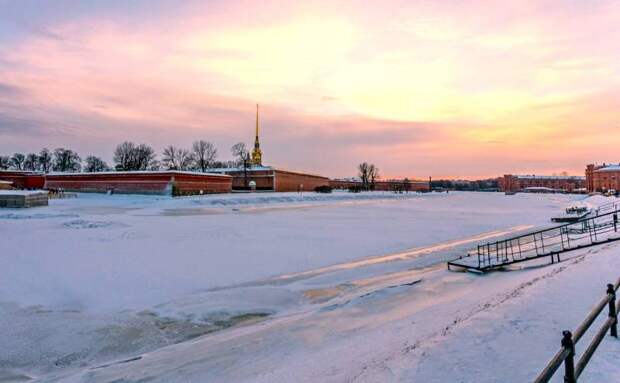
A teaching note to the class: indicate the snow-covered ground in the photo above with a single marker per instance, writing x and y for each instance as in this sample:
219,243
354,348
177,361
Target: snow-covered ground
283,287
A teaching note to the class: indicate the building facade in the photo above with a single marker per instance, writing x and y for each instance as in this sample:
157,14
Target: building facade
603,178
267,178
516,183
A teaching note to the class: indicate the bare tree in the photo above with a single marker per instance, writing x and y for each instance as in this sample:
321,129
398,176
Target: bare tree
45,160
31,162
95,164
224,164
169,158
123,156
5,162
373,175
17,161
368,173
204,154
185,159
144,157
129,156
154,165
66,160
176,158
240,152
363,169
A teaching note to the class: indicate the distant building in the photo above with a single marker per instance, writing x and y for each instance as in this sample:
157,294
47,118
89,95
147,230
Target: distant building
381,185
515,183
602,178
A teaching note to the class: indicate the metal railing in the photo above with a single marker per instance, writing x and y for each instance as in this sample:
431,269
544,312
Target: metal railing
566,354
549,242
607,208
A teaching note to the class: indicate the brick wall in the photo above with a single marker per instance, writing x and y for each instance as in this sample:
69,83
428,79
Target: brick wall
263,179
164,183
276,179
23,179
287,181
603,181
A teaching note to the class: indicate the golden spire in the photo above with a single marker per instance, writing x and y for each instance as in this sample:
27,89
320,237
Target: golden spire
256,153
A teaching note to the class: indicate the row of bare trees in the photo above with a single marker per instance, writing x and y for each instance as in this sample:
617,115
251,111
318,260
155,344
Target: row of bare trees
128,156
61,160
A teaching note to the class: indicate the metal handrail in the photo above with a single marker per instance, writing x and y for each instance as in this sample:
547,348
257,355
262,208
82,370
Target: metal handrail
550,241
566,353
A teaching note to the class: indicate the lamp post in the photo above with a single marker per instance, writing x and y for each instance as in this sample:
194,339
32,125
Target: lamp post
246,159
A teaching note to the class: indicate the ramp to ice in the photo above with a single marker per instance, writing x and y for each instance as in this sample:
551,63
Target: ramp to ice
552,242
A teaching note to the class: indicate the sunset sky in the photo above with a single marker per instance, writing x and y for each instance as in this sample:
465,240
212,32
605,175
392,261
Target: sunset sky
443,88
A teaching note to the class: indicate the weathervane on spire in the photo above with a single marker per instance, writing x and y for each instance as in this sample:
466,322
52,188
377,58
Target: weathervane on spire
257,155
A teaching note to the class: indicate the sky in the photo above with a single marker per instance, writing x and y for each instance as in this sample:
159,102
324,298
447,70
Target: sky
463,89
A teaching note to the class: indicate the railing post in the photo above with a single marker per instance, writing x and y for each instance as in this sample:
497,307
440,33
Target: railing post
569,362
615,221
612,310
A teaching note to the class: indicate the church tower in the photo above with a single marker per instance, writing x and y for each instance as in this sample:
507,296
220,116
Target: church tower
257,155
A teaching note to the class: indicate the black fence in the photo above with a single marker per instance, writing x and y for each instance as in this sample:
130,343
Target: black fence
566,354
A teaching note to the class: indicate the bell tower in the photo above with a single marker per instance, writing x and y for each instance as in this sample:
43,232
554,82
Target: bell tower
257,155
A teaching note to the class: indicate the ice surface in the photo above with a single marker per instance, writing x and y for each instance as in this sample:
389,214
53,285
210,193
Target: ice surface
284,287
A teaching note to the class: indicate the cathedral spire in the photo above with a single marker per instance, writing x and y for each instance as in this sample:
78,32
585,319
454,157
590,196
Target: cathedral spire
256,152
256,141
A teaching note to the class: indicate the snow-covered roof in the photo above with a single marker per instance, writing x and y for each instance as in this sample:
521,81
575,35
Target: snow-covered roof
348,179
136,172
535,177
21,171
541,188
6,182
263,168
22,192
610,168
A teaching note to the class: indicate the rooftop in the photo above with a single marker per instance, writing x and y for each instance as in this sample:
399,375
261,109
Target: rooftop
610,168
240,169
263,168
136,172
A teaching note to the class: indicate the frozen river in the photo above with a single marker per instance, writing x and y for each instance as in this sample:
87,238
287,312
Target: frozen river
98,280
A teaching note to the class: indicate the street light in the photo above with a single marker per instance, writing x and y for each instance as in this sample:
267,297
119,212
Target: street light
246,161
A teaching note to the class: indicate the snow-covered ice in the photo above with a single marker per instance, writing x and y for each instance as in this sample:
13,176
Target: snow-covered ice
285,287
